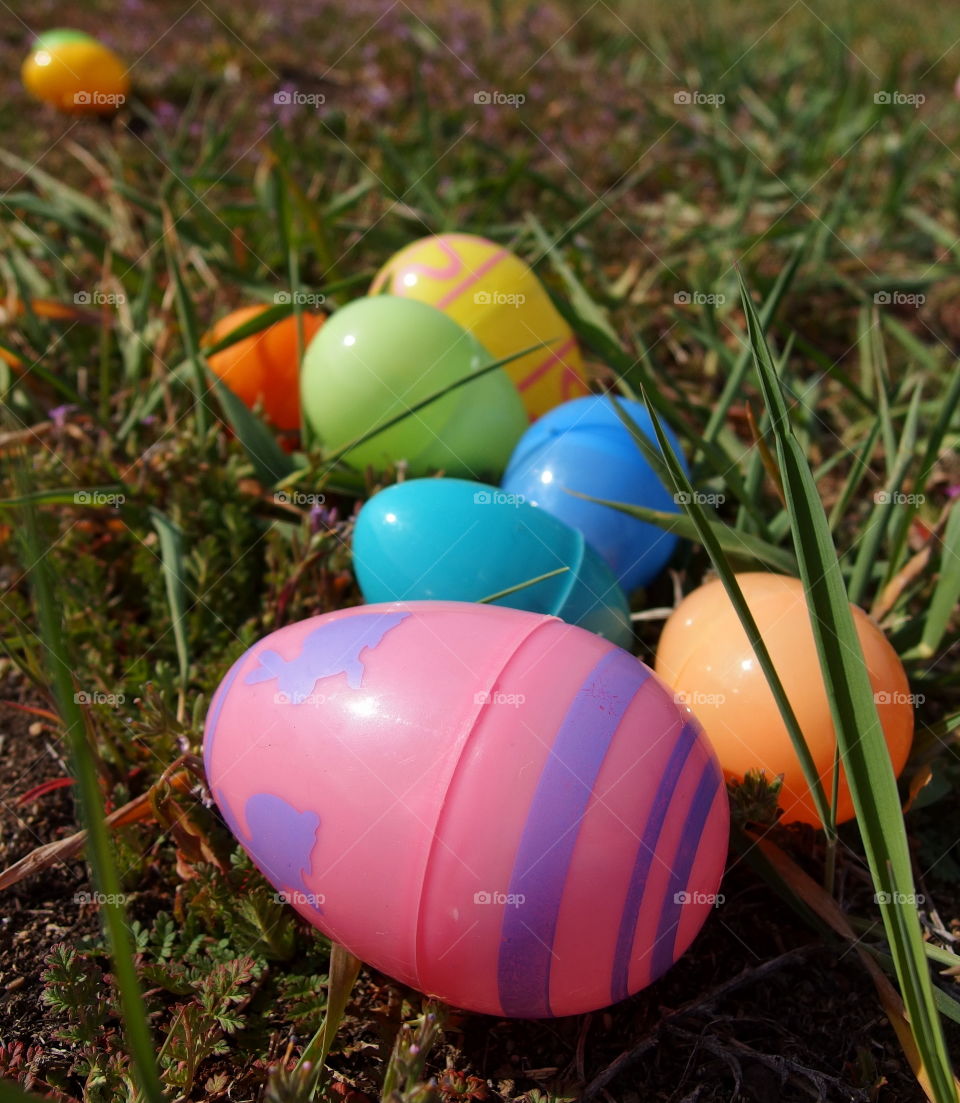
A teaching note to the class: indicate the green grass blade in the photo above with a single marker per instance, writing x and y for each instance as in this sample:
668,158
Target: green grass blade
885,503
859,469
140,1044
706,533
865,758
735,380
188,323
335,457
743,545
171,559
73,497
946,594
270,463
521,586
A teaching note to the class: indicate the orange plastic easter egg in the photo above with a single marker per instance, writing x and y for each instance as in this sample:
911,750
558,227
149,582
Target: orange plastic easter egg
704,655
264,368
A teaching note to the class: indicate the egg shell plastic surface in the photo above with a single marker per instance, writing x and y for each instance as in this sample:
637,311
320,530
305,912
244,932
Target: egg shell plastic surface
497,808
583,446
497,297
76,74
453,540
265,367
704,654
376,358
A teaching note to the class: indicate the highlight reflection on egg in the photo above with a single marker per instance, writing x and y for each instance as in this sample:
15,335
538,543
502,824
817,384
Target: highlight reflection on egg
497,808
704,655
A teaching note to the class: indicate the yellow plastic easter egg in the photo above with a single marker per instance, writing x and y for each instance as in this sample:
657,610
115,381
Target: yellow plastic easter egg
76,74
495,296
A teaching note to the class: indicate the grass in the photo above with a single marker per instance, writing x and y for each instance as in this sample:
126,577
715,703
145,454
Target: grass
819,408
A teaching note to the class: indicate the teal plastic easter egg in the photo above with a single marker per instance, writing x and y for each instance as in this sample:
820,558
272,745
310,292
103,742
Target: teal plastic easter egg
377,358
453,540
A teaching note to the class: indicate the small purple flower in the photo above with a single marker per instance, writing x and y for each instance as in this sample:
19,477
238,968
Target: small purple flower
58,415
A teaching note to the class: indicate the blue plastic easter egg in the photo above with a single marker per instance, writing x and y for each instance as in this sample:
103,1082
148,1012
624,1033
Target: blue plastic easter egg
454,540
583,446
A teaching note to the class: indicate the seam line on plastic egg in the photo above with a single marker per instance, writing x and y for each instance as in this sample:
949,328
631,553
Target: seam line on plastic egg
418,954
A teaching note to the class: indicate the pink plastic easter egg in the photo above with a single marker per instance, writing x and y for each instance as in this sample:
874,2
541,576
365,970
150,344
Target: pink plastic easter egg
495,807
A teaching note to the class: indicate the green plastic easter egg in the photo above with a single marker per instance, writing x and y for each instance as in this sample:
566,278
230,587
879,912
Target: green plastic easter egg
376,358
46,40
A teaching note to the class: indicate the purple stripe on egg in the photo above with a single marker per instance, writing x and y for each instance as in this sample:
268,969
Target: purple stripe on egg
550,833
663,950
619,986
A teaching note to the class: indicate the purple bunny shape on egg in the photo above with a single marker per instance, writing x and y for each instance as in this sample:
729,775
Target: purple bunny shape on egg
333,649
281,840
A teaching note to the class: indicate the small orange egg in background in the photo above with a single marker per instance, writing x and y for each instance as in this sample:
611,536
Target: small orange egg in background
704,655
75,73
264,367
